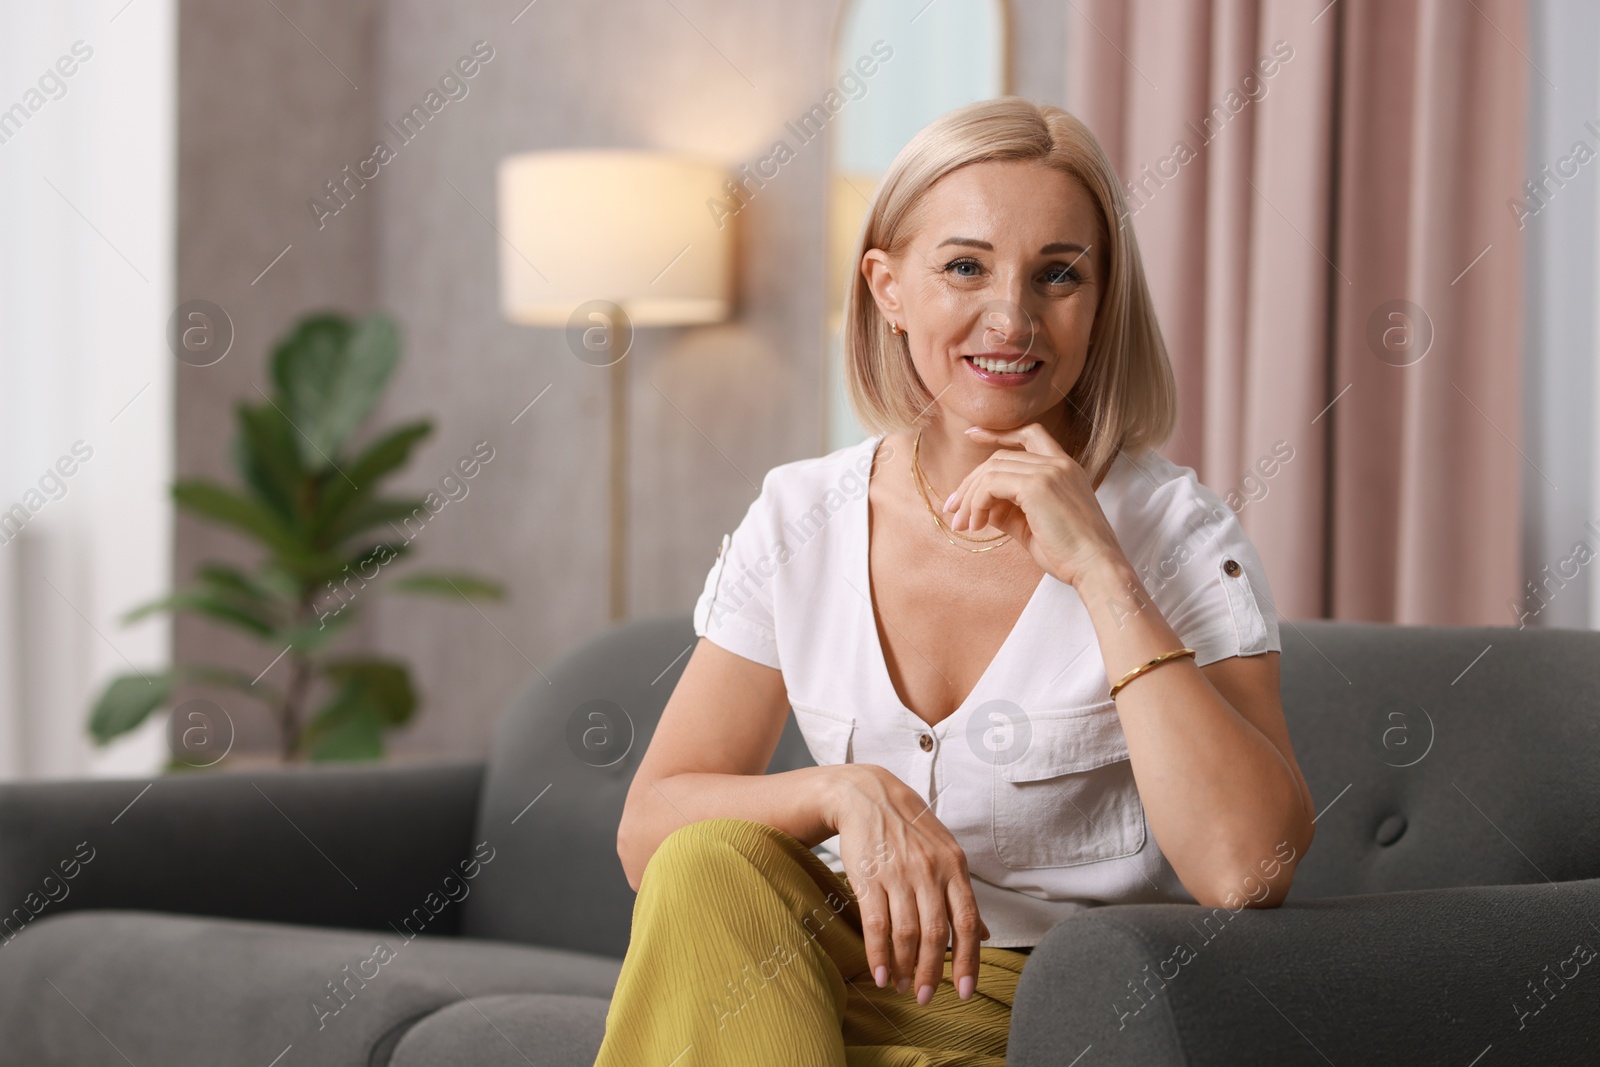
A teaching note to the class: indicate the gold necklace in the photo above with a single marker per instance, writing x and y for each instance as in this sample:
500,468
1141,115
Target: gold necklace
916,467
920,478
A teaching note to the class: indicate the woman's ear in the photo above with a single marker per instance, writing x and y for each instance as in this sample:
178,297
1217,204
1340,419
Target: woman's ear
878,270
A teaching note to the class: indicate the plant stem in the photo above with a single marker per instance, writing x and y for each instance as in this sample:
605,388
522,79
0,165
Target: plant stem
293,703
295,695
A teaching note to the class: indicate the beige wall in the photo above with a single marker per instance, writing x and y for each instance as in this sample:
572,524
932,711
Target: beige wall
265,120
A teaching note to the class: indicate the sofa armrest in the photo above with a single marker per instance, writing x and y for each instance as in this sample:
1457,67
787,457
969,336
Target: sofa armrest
1428,976
347,846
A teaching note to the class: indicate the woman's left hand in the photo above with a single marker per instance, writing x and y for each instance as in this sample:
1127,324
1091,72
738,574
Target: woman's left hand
1040,496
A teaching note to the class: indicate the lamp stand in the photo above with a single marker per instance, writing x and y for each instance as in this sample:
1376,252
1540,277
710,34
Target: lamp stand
619,488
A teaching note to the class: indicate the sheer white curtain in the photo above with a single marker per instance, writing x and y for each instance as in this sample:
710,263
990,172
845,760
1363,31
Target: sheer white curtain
87,134
1562,436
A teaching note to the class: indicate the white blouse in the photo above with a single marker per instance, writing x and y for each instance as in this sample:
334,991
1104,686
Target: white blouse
1031,773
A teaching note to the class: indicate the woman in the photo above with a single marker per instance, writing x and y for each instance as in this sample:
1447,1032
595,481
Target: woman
1036,663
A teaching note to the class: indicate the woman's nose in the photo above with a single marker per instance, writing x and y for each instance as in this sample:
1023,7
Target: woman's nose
1005,322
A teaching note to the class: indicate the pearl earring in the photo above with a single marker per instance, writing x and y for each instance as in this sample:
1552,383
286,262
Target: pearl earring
894,328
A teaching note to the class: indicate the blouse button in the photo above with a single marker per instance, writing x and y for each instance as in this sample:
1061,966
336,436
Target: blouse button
926,742
1232,567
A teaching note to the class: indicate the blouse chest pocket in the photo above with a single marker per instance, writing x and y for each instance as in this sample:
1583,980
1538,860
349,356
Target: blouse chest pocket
1070,797
827,735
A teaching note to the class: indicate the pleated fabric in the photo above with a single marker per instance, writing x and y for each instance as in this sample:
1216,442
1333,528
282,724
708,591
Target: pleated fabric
746,951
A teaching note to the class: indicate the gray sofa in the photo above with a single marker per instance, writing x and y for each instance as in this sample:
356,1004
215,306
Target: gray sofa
1446,913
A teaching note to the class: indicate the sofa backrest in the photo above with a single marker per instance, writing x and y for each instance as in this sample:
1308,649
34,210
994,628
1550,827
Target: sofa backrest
564,754
1437,756
1444,755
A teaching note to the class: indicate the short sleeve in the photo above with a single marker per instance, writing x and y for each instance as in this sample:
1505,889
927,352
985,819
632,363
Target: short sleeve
1209,582
735,609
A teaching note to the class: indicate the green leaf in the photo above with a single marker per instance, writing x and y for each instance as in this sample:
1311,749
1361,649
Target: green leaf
305,358
344,732
206,602
224,593
317,634
130,698
228,678
331,374
383,685
378,512
367,564
388,453
276,581
228,579
227,507
371,695
332,573
126,703
267,456
454,586
372,354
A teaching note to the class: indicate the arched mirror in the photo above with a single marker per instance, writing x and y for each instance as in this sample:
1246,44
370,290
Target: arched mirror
924,58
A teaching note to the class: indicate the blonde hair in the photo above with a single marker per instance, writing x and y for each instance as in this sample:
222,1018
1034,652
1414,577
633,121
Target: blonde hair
1127,391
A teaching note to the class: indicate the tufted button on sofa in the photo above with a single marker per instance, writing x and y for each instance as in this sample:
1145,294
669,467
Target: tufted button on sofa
476,913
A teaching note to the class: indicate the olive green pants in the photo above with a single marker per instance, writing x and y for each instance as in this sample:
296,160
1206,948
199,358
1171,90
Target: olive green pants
746,951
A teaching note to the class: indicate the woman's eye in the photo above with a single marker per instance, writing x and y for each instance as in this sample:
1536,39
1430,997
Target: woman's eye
1061,274
959,267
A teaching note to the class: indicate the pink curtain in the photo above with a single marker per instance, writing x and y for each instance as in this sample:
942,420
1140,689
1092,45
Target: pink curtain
1320,195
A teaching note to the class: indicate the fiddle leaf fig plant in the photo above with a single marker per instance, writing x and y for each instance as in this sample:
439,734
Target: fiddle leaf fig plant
311,501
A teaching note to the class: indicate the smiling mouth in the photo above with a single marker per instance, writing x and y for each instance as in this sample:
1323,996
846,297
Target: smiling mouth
1000,366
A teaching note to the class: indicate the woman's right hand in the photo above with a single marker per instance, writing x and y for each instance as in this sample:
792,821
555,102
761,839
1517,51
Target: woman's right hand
910,878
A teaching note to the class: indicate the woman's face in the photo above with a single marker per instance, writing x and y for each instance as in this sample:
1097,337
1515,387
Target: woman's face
996,290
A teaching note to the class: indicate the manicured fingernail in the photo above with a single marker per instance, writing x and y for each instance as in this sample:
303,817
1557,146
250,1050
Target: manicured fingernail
971,429
881,976
924,994
950,501
964,986
903,984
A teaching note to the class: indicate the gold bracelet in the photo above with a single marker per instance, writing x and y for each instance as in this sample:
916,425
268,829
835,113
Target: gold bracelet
1131,675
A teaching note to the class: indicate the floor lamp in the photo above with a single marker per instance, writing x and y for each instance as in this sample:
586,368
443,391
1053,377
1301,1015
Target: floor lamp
600,242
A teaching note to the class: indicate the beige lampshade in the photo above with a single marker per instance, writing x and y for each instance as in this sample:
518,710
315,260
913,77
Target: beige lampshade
637,228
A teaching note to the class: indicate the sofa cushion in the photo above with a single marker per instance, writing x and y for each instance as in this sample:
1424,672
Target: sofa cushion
107,987
510,1030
